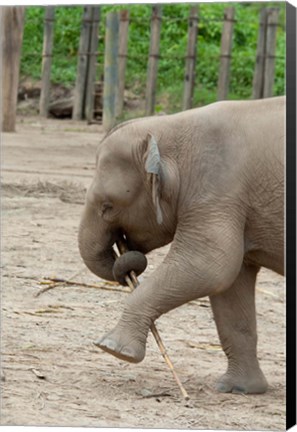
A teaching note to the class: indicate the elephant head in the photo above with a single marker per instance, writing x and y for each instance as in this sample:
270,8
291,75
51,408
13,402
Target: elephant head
133,194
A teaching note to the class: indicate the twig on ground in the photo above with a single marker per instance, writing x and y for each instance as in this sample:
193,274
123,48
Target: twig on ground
204,346
268,293
60,282
57,282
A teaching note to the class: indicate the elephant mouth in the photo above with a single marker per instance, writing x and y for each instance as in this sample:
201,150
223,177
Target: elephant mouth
135,245
145,242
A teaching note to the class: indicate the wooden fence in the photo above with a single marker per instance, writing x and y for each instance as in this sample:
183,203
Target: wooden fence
265,60
116,53
12,24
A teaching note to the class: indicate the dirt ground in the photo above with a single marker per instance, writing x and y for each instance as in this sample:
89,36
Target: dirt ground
51,373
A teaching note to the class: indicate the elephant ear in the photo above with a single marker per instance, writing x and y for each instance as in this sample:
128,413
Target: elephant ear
153,167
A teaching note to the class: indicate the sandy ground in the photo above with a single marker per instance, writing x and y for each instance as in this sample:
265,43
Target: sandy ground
51,373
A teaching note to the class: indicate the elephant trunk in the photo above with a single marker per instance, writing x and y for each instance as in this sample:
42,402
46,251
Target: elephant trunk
95,241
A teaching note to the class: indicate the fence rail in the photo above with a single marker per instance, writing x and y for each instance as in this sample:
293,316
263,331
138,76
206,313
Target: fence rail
116,54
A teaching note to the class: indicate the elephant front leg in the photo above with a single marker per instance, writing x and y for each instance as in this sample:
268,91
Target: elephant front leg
235,316
181,277
127,340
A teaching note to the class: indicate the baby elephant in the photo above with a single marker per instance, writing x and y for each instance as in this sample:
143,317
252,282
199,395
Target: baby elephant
209,180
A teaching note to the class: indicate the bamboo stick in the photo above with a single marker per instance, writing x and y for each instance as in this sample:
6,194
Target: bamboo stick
59,282
132,282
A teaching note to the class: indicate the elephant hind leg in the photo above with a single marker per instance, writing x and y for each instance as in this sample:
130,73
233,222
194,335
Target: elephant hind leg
235,316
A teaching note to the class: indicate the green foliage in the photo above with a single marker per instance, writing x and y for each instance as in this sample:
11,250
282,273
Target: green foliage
66,40
32,42
173,47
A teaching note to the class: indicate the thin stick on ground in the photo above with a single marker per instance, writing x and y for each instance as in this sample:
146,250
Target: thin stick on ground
56,283
60,282
132,282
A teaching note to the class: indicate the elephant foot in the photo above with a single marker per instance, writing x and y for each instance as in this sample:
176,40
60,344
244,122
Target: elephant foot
253,383
121,345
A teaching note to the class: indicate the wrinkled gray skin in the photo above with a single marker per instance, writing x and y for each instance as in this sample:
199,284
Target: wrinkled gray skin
209,180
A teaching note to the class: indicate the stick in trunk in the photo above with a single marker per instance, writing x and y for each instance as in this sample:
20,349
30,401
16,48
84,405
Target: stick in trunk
132,282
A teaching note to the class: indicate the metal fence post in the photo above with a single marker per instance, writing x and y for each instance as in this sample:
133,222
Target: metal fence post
110,70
